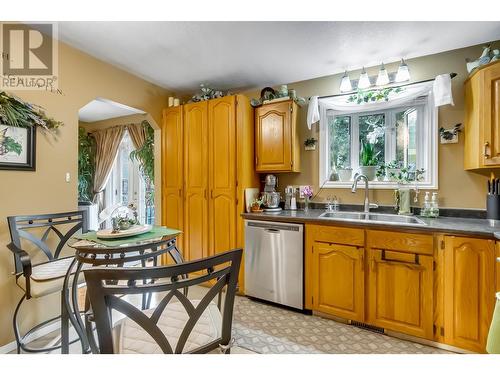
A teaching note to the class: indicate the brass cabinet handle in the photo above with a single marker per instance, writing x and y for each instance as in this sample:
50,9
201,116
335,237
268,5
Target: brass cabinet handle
486,149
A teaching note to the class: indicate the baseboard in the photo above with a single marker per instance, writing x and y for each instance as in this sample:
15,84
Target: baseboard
12,346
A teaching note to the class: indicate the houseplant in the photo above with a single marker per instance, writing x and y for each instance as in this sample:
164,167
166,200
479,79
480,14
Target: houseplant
368,160
406,176
86,152
344,171
310,144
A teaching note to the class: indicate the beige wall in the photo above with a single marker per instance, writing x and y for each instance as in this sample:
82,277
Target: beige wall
457,188
82,78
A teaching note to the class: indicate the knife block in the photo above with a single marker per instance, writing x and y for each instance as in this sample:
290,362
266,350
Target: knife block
493,207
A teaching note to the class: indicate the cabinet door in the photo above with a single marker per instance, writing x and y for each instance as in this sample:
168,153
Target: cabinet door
469,291
338,280
172,171
491,113
400,292
196,181
273,138
222,174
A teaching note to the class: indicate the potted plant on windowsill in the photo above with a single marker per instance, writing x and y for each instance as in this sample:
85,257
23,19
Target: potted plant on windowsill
368,160
344,171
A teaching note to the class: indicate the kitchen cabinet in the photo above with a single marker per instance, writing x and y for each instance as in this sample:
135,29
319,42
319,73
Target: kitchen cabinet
468,291
196,180
335,279
277,144
338,286
400,282
222,174
207,163
172,166
482,118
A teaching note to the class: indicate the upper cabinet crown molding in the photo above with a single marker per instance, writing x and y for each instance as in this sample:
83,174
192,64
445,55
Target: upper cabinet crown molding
277,145
482,118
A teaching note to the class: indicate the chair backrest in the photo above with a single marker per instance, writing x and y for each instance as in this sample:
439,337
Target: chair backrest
36,229
106,293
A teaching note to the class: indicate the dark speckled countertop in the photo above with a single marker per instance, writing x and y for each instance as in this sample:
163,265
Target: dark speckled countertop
451,225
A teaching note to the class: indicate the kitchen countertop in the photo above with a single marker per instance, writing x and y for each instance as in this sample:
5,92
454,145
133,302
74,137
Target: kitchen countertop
452,225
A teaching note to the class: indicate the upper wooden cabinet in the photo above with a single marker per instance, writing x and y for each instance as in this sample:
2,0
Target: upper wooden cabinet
482,118
468,291
277,145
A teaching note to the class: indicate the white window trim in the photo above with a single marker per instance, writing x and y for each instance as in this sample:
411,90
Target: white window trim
424,133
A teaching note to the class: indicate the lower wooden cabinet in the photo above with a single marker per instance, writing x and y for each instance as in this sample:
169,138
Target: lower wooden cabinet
436,287
338,286
400,291
468,291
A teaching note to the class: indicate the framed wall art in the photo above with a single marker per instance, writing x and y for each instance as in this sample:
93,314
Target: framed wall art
17,148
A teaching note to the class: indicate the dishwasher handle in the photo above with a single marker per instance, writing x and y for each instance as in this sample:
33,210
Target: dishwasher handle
272,230
275,226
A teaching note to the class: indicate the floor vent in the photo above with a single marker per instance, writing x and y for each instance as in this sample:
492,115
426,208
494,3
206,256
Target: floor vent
366,326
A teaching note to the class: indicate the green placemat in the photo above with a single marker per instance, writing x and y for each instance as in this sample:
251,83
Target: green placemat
156,232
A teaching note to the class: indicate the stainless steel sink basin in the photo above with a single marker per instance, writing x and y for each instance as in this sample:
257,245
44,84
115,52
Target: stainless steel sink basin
373,218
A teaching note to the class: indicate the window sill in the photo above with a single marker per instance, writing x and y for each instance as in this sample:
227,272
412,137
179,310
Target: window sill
377,185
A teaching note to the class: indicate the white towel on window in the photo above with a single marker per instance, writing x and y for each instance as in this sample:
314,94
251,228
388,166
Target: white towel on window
312,111
442,90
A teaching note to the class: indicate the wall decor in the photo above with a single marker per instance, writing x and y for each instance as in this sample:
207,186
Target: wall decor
450,135
269,95
17,148
310,144
18,113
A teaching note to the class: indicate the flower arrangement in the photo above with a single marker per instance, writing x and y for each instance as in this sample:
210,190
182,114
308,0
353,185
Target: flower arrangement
123,220
307,191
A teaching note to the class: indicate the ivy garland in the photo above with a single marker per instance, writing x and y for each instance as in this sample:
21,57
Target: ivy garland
373,95
21,114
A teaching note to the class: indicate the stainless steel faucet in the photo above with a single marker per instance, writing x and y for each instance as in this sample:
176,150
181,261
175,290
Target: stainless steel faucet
367,205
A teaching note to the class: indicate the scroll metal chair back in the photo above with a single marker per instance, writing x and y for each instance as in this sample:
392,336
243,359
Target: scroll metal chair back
106,296
33,232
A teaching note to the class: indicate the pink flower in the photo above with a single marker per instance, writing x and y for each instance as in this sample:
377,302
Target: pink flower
307,191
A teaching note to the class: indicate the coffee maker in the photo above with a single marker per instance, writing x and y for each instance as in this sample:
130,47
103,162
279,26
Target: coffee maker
271,198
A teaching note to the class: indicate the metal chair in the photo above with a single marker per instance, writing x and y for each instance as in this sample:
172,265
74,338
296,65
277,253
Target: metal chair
184,326
47,277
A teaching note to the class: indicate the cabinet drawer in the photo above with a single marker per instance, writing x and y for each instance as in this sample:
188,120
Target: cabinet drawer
405,242
343,236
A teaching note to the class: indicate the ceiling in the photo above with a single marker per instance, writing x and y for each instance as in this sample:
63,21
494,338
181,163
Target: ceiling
102,109
230,55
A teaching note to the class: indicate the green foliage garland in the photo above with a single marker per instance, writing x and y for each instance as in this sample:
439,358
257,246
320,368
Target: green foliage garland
18,113
86,166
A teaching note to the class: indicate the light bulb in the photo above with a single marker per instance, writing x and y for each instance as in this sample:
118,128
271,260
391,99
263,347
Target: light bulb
403,72
364,81
383,77
345,84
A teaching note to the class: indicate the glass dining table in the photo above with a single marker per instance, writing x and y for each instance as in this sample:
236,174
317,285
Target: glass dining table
142,250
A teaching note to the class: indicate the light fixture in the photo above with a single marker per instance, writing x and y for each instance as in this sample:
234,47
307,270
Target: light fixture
403,72
383,77
364,80
345,84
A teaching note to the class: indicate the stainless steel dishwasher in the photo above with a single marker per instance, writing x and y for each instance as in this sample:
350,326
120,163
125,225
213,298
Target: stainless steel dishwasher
274,262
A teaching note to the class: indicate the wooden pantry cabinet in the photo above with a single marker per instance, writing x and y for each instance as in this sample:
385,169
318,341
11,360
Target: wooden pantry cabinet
207,159
277,146
432,286
482,118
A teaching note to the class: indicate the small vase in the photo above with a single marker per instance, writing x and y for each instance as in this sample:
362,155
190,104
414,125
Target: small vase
306,204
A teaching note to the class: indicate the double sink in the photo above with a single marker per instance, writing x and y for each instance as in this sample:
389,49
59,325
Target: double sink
372,218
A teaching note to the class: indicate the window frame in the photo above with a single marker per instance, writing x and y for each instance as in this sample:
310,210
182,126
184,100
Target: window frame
426,136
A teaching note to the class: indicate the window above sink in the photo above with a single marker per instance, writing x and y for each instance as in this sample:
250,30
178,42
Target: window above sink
403,136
